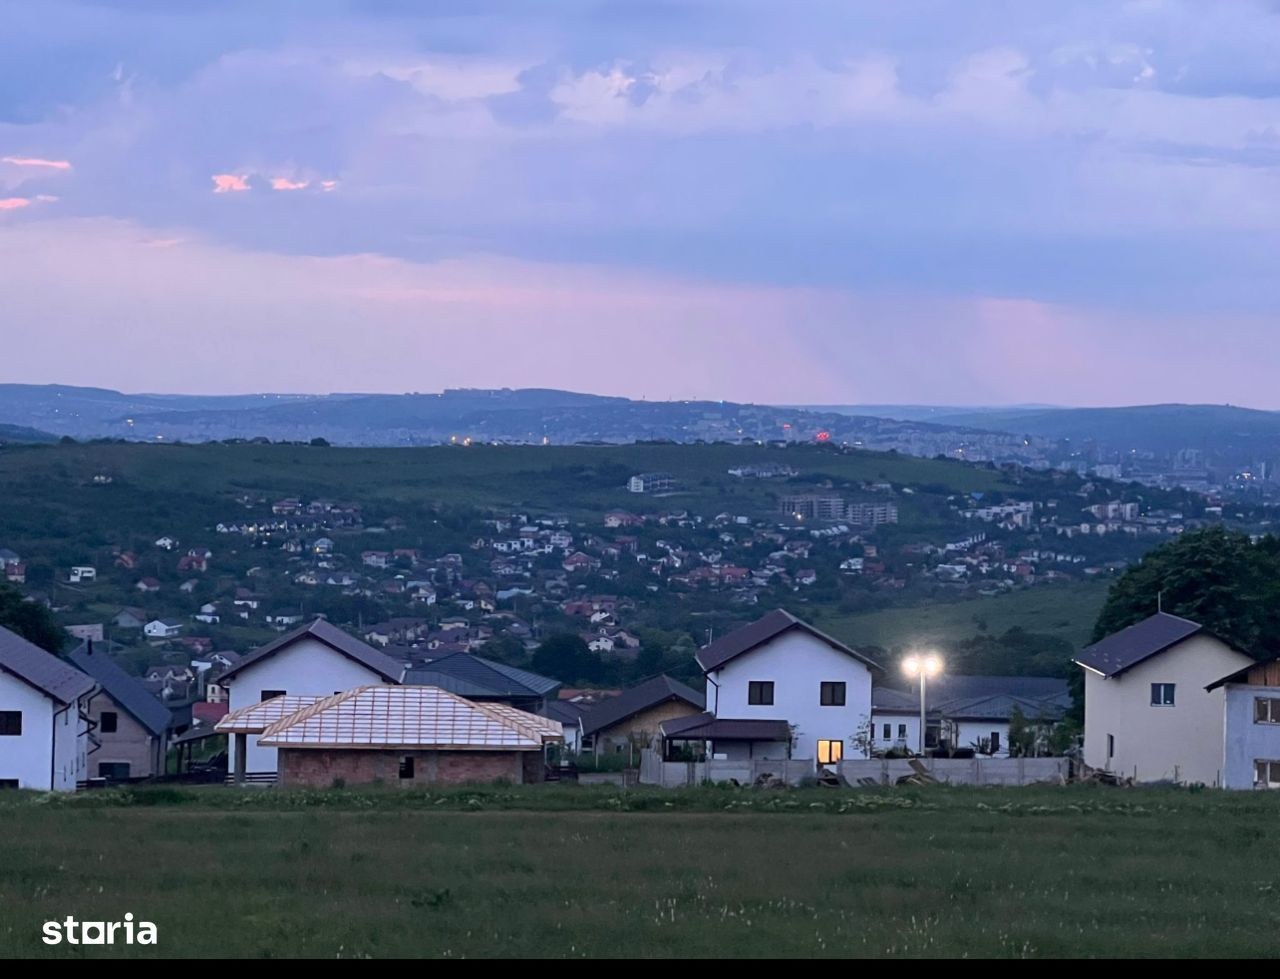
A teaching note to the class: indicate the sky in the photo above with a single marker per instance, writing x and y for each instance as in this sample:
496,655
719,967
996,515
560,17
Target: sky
846,202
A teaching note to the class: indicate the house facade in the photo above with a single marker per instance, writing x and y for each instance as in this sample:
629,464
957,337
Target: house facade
633,719
781,669
129,726
1149,711
44,724
317,660
1251,727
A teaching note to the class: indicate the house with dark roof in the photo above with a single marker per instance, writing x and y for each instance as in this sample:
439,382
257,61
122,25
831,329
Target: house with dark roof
965,712
484,680
129,727
1151,710
43,724
316,660
1251,726
633,719
781,670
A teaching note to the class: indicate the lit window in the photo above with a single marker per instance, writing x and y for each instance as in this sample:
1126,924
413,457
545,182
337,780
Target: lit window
830,752
1162,694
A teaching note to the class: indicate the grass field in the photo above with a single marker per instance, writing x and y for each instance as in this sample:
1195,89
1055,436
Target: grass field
1066,611
571,871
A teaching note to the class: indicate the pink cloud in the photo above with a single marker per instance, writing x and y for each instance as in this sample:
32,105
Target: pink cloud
284,183
35,161
13,203
226,183
328,185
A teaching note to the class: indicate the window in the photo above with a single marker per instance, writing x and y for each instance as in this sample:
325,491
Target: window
1266,773
108,722
1162,694
8,783
113,769
760,693
1266,710
887,729
11,722
270,695
830,752
406,766
831,694
1111,746
902,732
995,741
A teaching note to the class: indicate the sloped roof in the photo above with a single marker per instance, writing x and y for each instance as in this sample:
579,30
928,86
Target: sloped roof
127,691
772,625
1002,707
335,639
564,711
1129,647
43,671
256,718
648,694
473,676
708,727
376,716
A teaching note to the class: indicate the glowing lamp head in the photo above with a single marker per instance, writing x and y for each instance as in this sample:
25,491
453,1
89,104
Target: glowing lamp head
929,664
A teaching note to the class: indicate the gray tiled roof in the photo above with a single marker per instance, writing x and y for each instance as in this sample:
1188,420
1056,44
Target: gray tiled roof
335,639
125,690
1129,647
44,671
757,633
474,676
648,694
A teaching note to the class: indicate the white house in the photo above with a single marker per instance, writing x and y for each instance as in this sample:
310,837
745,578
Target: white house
1149,712
82,573
779,688
317,660
44,722
1251,727
163,628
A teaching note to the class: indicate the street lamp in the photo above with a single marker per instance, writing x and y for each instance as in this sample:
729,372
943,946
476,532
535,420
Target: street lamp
923,666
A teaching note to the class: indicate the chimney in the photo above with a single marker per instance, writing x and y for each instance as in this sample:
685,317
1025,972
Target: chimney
88,647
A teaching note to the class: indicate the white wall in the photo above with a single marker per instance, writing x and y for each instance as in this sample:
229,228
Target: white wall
29,756
797,663
880,719
70,744
308,668
1183,742
1246,741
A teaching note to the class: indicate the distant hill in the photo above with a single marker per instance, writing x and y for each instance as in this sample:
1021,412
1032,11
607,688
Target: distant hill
21,433
1154,428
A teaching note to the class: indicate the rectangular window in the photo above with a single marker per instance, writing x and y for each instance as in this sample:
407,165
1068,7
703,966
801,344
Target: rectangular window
406,766
108,722
902,731
887,729
995,741
760,693
1162,694
270,695
830,752
1111,746
11,722
8,783
113,769
1266,773
1266,710
831,694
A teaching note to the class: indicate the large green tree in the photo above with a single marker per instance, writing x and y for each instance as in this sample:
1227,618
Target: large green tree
31,620
1217,577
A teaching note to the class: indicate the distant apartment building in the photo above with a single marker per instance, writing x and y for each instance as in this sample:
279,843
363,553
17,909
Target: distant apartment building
872,514
652,483
814,506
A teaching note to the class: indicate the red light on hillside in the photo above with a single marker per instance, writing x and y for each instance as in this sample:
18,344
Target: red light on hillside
824,436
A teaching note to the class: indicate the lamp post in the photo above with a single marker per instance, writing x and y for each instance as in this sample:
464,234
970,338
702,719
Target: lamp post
925,666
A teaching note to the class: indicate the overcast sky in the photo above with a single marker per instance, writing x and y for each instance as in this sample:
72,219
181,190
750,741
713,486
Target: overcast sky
946,202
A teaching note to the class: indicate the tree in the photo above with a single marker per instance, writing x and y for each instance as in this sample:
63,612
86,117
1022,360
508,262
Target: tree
566,657
31,620
1216,577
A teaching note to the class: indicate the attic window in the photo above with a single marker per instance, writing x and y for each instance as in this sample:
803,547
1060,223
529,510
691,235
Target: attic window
110,721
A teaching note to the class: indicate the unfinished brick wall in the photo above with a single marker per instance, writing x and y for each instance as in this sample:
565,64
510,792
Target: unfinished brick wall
320,767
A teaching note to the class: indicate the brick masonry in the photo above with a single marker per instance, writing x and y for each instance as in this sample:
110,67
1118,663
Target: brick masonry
320,767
